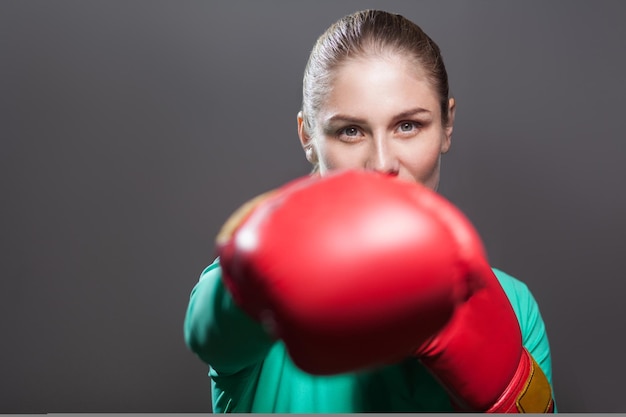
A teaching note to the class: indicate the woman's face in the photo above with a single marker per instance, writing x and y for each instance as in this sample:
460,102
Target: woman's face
381,114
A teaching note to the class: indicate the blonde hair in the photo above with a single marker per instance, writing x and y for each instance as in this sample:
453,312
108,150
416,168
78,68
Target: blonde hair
369,32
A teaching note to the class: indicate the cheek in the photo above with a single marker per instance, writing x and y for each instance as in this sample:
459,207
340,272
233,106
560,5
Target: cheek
335,155
421,163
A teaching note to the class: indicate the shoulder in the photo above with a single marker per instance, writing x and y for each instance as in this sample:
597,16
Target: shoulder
509,282
209,277
517,292
213,270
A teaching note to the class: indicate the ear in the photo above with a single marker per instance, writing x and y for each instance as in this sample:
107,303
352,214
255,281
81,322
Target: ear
447,140
306,140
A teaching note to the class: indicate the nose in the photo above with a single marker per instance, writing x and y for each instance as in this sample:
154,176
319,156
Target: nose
382,158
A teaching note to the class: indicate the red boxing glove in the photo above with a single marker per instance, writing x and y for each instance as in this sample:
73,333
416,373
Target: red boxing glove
357,269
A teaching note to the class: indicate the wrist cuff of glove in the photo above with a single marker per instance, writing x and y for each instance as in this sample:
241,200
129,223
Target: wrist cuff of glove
528,392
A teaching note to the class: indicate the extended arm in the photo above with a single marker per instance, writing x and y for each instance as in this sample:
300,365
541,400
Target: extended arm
404,274
218,331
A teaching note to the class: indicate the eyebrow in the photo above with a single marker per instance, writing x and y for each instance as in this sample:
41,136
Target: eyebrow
344,118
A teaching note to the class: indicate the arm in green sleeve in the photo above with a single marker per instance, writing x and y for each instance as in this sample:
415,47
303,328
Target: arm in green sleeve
536,339
534,335
220,333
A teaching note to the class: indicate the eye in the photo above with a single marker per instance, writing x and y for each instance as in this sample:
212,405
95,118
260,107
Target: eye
350,131
349,134
407,126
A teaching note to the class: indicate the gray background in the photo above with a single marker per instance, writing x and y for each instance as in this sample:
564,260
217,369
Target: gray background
130,130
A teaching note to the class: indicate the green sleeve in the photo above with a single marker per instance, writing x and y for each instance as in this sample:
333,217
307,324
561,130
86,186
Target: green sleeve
534,335
220,333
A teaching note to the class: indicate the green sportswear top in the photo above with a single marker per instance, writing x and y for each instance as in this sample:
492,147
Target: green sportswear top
250,372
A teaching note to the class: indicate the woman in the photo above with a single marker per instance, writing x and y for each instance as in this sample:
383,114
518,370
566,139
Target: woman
375,98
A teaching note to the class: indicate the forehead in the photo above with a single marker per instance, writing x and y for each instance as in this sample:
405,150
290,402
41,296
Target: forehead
380,84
